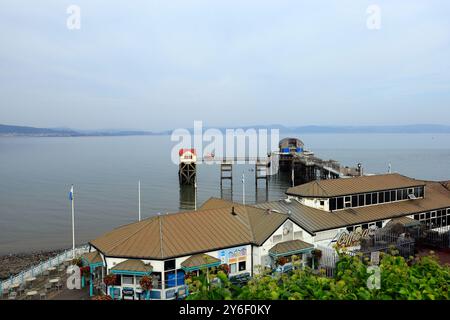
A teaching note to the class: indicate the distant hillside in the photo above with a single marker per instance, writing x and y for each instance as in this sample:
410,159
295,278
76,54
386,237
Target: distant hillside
10,130
6,130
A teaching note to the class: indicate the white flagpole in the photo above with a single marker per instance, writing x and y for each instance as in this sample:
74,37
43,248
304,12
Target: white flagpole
243,188
195,194
139,198
73,224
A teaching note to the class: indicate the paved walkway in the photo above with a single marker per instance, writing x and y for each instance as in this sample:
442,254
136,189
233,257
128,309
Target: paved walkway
66,294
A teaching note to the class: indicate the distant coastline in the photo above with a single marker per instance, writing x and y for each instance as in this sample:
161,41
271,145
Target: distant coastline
25,131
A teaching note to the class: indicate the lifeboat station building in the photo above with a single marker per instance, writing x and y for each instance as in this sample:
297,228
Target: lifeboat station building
246,237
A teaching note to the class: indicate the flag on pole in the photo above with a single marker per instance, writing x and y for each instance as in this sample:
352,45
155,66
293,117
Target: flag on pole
71,194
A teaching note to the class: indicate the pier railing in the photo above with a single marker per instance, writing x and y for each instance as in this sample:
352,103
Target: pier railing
37,270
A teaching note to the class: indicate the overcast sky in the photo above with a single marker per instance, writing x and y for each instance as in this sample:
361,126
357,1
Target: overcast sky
163,64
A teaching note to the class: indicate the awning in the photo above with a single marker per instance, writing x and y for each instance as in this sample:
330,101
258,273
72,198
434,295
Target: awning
199,261
92,259
404,221
291,247
132,267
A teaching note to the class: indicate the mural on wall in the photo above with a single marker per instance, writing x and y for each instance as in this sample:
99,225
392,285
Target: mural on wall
233,255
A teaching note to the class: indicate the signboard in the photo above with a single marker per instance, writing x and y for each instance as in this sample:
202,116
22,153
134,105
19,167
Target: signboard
352,239
233,255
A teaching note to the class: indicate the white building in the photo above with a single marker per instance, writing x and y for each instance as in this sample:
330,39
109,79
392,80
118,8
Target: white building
320,213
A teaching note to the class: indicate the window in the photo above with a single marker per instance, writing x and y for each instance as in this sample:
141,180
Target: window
348,204
138,280
393,195
127,280
361,201
340,203
298,235
365,226
349,229
170,279
433,214
410,191
381,197
417,192
156,276
118,281
322,203
180,277
416,217
422,216
368,199
277,238
169,265
387,196
374,198
379,224
354,201
333,204
232,268
427,215
405,194
242,266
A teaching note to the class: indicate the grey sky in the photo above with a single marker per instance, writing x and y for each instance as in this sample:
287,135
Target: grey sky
163,64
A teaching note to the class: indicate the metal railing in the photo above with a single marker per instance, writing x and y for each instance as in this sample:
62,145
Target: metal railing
41,267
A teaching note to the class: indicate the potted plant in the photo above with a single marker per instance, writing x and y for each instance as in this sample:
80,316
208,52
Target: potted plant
146,284
85,273
224,268
77,262
281,261
109,280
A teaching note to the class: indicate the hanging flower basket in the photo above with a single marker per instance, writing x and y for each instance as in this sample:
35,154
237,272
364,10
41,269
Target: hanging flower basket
281,261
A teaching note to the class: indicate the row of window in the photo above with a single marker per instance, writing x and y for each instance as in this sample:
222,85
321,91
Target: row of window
434,219
378,224
367,199
236,267
298,235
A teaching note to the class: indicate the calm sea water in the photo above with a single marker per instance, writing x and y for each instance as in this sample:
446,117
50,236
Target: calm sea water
36,173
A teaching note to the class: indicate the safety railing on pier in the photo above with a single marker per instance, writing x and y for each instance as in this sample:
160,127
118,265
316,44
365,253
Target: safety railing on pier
42,267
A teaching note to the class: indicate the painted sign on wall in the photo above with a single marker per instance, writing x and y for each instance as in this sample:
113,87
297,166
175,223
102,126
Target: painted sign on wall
353,238
233,255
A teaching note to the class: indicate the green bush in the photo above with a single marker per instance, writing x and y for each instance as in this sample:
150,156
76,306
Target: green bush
401,279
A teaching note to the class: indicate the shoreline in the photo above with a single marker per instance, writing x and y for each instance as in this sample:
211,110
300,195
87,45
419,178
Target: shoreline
13,263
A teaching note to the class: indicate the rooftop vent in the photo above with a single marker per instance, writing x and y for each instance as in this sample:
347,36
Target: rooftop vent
233,212
412,196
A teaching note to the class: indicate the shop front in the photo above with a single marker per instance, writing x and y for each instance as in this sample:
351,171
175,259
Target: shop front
283,252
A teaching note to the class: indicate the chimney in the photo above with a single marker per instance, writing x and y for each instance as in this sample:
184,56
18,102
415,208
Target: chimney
233,212
267,211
